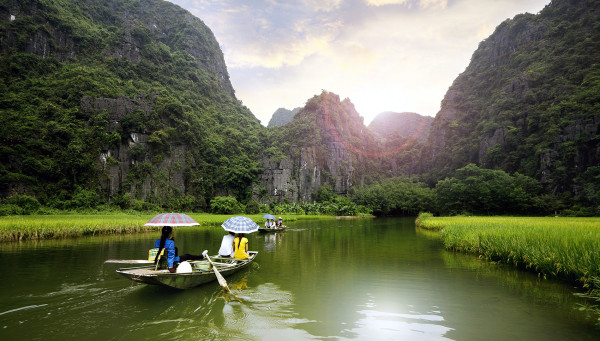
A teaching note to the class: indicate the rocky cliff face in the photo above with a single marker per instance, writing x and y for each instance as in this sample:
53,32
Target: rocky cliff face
137,23
330,146
136,97
291,180
46,41
526,101
117,161
492,53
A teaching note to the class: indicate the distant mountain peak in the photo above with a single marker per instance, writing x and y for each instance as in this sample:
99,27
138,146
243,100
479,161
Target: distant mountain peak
282,116
404,124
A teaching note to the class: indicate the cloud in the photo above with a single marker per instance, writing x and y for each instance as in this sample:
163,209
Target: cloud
385,55
386,2
322,5
278,54
433,4
355,58
273,42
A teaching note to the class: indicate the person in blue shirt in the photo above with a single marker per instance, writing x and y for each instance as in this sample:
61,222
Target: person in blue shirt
167,243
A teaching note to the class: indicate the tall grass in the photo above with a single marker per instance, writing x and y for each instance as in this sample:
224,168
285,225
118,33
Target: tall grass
16,228
13,228
564,248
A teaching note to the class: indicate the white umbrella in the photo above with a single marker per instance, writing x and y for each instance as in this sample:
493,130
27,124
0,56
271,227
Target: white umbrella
240,224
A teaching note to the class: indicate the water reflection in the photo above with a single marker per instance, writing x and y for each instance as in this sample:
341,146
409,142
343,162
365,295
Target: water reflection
392,326
345,279
272,240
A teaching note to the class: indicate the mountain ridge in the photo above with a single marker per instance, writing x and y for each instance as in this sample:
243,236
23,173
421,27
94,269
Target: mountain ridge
126,102
129,102
527,103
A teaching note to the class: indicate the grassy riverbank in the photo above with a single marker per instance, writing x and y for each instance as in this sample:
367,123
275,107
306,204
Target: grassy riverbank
564,248
15,228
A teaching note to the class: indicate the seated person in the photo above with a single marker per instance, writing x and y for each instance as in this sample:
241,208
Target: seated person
240,243
226,249
167,243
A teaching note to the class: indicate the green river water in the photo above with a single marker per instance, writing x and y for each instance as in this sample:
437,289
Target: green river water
359,279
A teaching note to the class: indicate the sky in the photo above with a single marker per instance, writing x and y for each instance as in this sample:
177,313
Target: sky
384,55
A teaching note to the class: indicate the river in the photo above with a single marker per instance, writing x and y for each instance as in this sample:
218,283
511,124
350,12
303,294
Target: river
358,279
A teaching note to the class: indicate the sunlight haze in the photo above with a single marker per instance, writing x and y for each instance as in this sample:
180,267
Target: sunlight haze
384,55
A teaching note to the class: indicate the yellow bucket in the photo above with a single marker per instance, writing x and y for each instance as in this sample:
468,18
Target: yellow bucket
152,253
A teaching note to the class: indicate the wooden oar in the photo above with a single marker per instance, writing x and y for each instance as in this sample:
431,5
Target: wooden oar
128,261
223,282
220,278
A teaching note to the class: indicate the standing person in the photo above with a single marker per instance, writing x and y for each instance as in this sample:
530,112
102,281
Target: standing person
226,249
240,243
167,243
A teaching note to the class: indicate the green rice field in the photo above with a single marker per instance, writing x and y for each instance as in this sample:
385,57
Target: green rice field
560,247
15,228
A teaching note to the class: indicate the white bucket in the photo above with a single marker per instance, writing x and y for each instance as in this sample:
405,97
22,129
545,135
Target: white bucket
184,268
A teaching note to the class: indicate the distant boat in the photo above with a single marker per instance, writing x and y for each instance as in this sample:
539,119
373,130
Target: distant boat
202,272
273,229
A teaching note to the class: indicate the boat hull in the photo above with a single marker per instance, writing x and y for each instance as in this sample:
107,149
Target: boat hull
267,230
201,273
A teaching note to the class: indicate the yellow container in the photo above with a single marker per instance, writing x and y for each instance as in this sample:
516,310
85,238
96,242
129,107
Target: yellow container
152,253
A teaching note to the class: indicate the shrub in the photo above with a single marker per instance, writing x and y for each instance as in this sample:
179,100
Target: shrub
47,211
252,207
28,203
10,209
83,198
124,201
186,203
225,205
141,205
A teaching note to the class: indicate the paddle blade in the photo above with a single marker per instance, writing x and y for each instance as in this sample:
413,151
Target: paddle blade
222,281
220,278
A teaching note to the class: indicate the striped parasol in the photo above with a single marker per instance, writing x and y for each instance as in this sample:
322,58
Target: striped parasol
240,224
172,219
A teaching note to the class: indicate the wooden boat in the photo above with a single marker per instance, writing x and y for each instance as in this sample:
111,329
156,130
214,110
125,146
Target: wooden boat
202,272
276,229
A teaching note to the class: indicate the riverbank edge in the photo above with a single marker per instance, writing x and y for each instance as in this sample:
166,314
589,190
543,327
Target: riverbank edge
590,282
38,227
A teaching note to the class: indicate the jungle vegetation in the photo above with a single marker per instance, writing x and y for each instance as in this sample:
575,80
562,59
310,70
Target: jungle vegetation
532,93
535,82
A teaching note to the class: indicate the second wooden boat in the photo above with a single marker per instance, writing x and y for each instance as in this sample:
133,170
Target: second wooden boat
276,229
